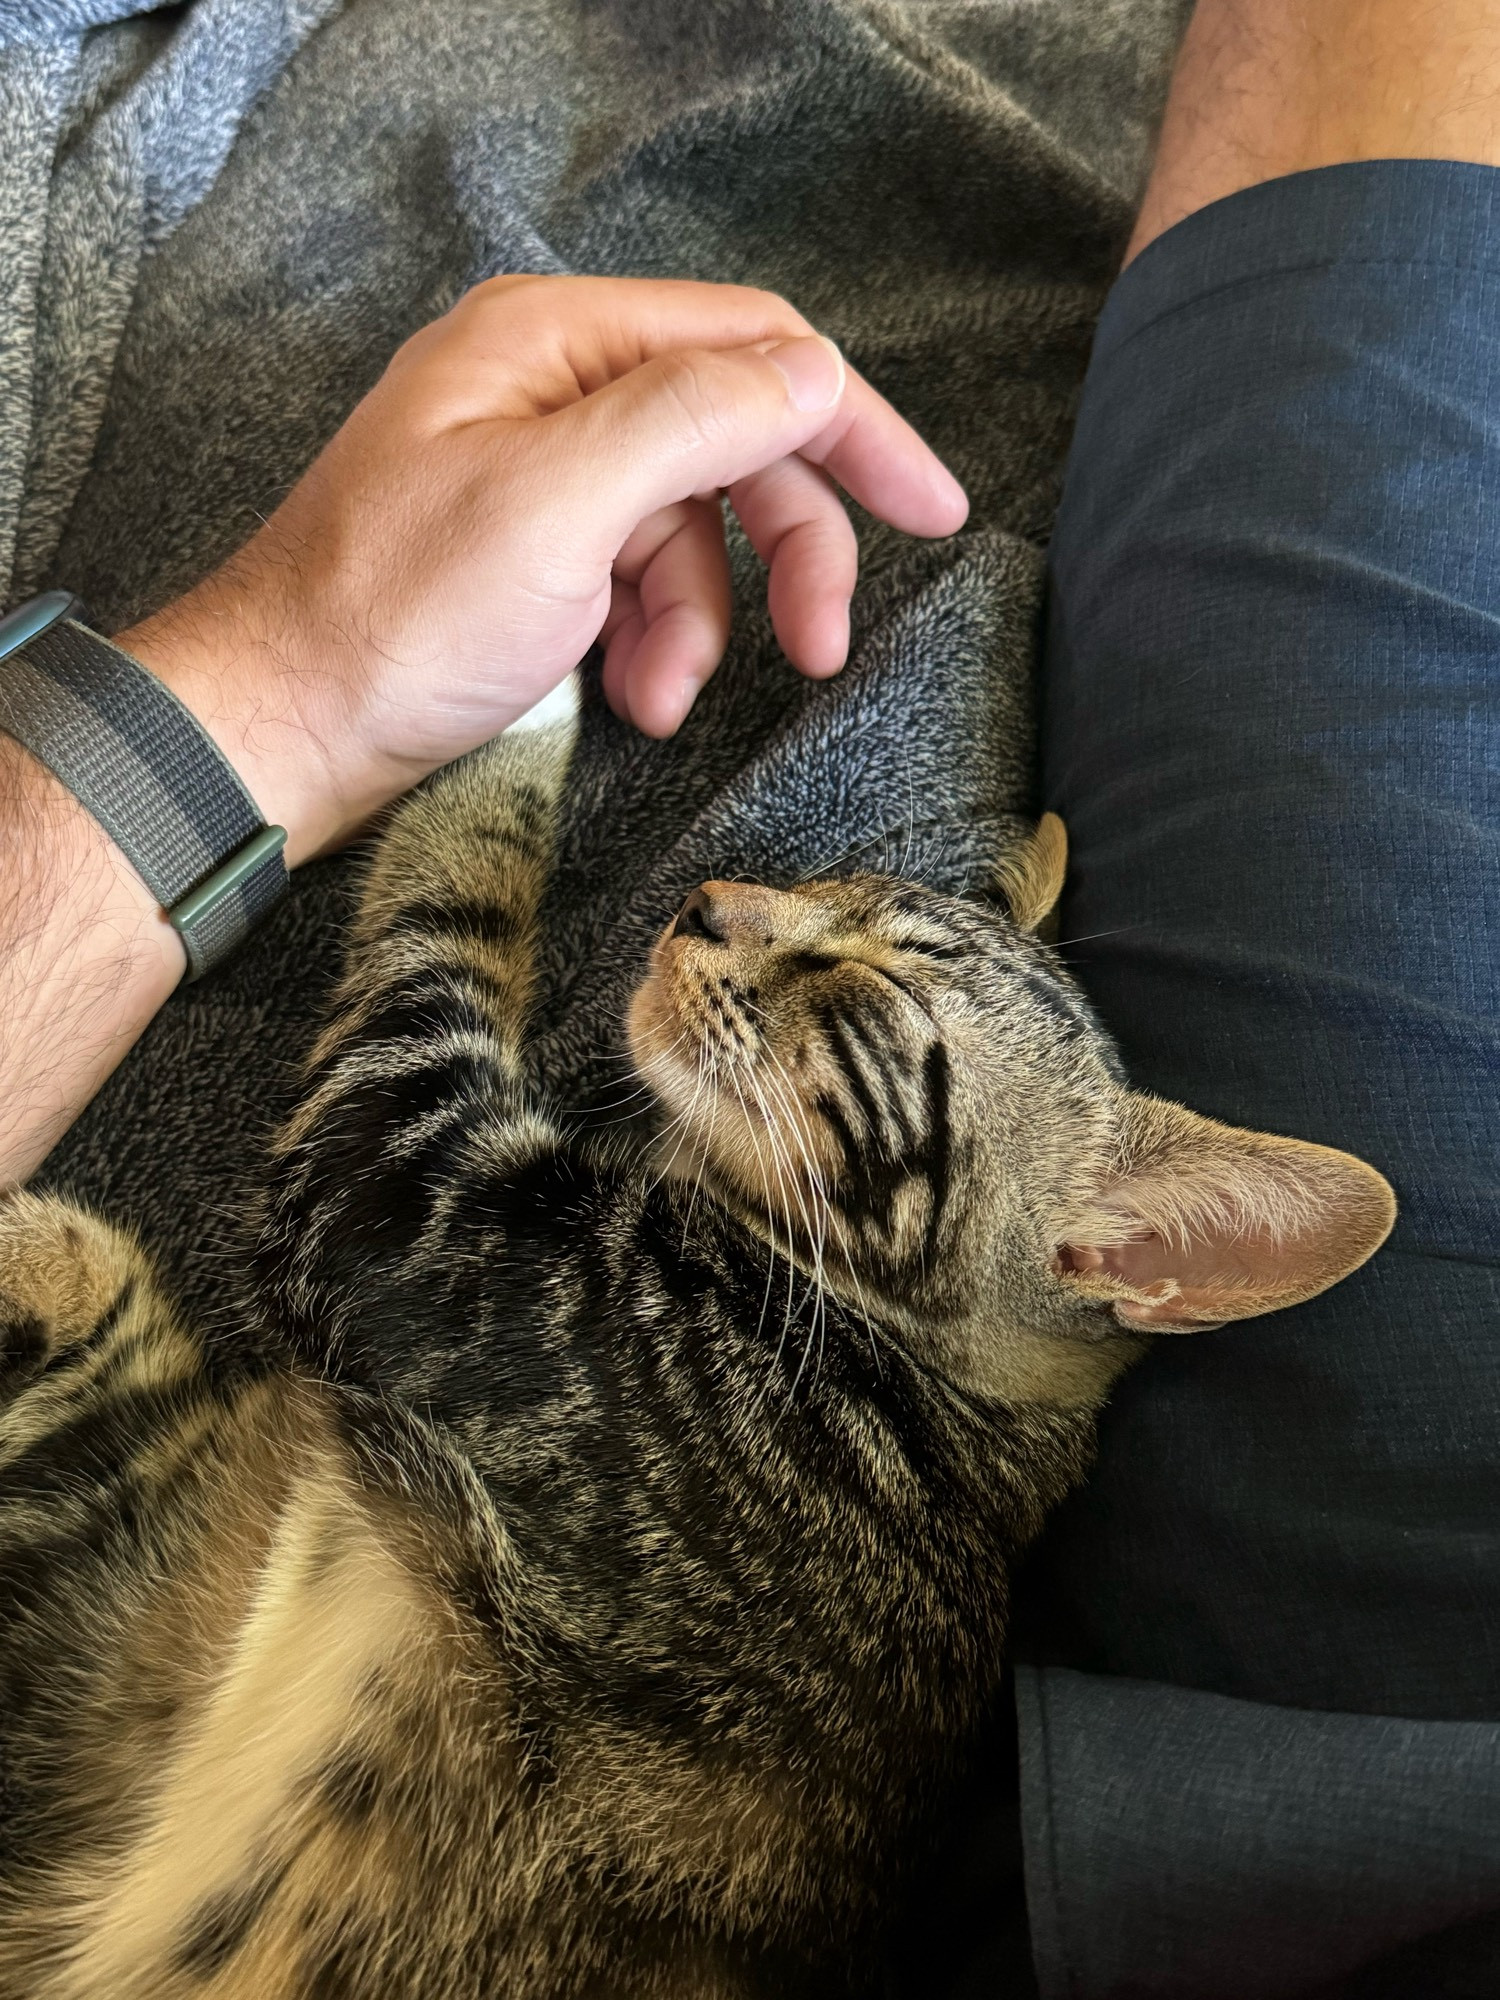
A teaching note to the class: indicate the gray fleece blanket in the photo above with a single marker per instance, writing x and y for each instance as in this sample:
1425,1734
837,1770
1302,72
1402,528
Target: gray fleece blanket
218,220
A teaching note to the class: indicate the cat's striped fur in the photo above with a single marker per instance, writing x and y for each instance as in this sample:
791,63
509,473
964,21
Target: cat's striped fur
558,1590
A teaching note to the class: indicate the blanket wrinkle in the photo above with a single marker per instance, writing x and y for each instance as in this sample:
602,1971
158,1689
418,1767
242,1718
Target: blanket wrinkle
910,32
141,163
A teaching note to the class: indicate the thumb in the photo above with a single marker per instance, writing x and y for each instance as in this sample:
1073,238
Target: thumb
686,422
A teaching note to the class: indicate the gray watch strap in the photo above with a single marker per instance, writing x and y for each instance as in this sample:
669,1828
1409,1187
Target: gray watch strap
145,768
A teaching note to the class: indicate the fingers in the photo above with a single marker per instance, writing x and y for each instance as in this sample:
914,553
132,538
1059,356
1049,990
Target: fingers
601,407
626,621
669,618
684,422
798,526
691,417
668,623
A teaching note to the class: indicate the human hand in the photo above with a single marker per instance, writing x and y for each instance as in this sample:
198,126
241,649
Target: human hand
536,470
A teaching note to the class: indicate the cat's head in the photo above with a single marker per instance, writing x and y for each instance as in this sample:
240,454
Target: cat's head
913,1086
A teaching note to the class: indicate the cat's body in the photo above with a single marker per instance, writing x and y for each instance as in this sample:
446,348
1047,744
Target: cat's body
585,1573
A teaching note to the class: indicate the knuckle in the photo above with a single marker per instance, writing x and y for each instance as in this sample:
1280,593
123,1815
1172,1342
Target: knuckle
506,285
778,312
692,380
515,296
418,347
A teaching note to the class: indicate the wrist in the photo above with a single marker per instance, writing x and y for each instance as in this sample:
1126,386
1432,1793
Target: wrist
277,711
147,771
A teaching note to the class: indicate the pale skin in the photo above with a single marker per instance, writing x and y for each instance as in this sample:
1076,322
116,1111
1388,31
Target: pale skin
541,468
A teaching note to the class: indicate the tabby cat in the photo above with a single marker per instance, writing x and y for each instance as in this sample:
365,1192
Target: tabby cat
583,1575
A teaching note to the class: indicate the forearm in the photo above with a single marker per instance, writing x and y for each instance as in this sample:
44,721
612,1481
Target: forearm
1270,87
86,958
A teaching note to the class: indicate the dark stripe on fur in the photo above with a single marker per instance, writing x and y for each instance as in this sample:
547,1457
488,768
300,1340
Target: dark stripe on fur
220,1925
494,923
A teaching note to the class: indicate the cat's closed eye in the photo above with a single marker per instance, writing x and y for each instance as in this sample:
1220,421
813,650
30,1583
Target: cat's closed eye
939,953
810,961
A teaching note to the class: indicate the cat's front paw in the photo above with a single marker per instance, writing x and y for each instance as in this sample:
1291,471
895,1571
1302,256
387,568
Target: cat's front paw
61,1272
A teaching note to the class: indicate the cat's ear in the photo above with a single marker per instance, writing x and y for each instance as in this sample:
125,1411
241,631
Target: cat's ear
1030,876
1203,1223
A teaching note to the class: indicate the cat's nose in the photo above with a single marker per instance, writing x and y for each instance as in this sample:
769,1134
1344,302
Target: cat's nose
726,913
698,919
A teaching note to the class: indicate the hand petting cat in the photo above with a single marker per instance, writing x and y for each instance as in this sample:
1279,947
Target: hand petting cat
537,470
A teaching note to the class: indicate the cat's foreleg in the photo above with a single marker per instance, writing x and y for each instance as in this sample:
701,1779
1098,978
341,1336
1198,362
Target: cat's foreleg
419,1081
457,880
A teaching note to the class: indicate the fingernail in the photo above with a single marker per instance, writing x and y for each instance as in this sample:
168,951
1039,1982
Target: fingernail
814,371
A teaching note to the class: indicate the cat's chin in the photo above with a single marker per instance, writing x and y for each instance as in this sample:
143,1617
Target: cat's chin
663,1033
710,1130
664,1056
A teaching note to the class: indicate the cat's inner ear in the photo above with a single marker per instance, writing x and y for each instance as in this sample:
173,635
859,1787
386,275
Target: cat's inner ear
1030,876
1204,1223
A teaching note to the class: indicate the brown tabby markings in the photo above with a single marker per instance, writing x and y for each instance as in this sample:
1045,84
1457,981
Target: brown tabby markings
583,1579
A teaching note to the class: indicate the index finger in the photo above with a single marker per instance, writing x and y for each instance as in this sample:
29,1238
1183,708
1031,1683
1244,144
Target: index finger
889,468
